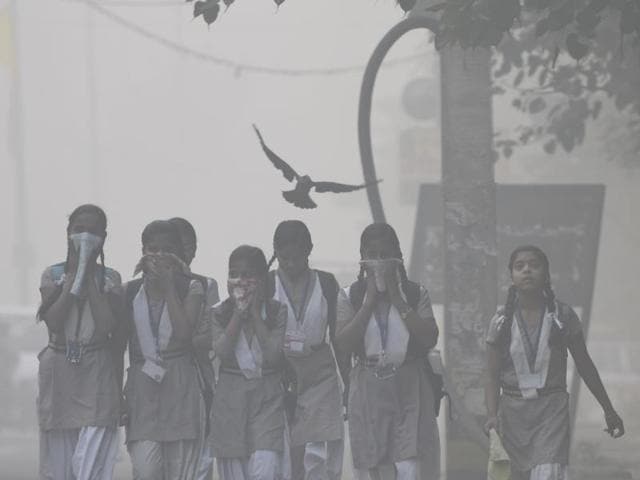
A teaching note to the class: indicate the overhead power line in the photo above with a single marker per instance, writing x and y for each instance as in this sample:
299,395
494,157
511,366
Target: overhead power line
237,67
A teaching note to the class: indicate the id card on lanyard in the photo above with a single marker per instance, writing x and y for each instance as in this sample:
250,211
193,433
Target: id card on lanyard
384,370
294,341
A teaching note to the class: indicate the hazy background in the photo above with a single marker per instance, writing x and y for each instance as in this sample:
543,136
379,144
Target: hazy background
115,118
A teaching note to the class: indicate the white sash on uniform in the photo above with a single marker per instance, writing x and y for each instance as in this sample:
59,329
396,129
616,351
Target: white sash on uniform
395,350
249,355
151,346
529,381
312,328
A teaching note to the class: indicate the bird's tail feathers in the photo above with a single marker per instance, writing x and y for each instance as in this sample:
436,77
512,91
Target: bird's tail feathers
300,201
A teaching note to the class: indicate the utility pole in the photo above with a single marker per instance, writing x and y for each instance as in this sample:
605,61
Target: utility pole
92,96
470,248
22,250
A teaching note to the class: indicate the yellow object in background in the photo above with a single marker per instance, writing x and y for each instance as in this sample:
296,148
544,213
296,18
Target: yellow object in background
6,52
499,467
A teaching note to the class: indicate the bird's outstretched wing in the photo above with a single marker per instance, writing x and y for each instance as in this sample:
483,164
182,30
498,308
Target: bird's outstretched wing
288,172
332,187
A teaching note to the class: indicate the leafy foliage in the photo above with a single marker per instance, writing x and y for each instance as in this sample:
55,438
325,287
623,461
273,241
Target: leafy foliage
560,93
561,59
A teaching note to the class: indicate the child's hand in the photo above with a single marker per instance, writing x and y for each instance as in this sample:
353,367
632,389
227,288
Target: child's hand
615,427
491,424
371,295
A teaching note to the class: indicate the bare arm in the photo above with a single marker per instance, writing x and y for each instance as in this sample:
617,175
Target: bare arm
424,330
419,321
591,377
58,312
492,386
180,322
225,338
101,308
349,334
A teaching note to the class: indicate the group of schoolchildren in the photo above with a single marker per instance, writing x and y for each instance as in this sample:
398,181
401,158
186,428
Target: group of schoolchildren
260,381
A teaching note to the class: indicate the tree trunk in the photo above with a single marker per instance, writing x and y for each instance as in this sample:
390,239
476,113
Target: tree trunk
470,249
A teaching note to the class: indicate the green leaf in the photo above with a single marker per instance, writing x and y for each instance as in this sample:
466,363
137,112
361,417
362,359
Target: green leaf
554,57
436,8
519,77
537,105
550,147
210,11
562,16
507,152
628,18
542,26
503,13
597,107
198,8
587,21
407,5
576,49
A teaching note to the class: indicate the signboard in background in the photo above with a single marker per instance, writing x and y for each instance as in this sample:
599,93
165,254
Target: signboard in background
563,220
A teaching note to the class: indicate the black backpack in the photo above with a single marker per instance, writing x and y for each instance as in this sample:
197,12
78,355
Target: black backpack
412,291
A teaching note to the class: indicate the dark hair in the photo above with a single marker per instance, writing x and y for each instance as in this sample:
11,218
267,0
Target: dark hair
253,255
385,232
185,228
549,294
256,259
164,227
291,232
102,222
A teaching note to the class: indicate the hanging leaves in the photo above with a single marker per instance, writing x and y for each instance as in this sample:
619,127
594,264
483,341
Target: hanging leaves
575,47
210,14
227,3
550,147
537,105
198,7
209,9
407,5
628,18
562,16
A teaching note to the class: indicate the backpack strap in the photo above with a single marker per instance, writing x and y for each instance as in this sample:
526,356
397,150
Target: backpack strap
133,287
330,288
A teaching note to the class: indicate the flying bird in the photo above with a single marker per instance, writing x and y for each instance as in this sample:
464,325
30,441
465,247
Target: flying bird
299,196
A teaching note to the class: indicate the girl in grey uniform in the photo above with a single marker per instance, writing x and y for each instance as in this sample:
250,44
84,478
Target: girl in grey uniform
247,427
316,423
163,396
386,322
527,399
201,340
78,384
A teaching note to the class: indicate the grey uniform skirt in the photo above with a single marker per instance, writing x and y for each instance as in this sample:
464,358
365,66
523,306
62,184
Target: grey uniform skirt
318,416
166,411
247,415
536,431
392,419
